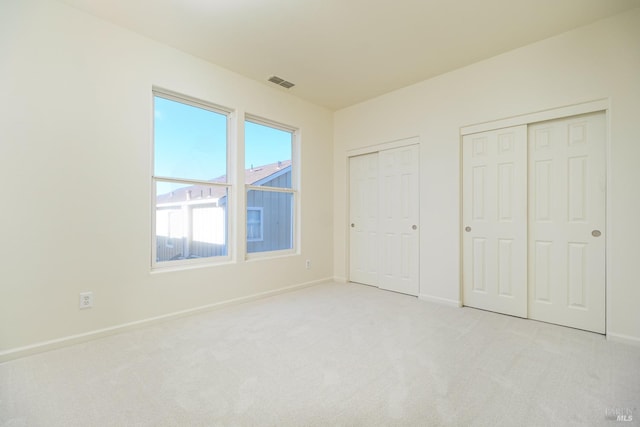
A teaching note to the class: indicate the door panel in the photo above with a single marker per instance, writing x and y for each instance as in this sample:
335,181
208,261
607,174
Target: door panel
494,213
363,227
399,205
567,190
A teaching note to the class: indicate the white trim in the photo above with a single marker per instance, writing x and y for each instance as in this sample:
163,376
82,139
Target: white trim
442,301
539,116
608,226
193,202
398,143
272,189
626,339
270,123
237,227
191,181
190,100
43,346
276,253
203,263
339,279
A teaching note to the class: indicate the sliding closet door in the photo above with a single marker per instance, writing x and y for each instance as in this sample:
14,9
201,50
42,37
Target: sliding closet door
363,211
567,222
399,219
495,220
384,230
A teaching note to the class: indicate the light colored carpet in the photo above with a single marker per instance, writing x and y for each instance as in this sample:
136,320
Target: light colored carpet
333,354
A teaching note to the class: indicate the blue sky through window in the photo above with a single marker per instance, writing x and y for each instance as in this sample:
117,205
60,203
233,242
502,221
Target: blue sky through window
264,145
190,143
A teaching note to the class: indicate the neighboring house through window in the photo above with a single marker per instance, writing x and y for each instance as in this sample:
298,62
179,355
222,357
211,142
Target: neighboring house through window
254,224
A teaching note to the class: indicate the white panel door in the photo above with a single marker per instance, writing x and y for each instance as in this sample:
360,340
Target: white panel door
567,184
495,220
399,219
363,212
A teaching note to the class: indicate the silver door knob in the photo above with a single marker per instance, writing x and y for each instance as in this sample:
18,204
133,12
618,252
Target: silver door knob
414,227
467,229
596,233
352,225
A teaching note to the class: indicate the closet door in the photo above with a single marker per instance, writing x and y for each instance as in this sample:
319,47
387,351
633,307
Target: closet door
399,219
567,187
495,220
363,213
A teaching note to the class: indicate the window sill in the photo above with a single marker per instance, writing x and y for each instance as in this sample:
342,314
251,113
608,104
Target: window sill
156,269
256,256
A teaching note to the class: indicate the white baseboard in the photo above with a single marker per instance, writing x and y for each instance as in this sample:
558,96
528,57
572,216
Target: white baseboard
439,300
43,346
627,339
340,279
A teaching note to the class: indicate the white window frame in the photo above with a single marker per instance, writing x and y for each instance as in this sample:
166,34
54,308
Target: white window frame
294,190
228,185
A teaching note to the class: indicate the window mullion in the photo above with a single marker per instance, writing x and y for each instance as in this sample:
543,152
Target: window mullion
236,160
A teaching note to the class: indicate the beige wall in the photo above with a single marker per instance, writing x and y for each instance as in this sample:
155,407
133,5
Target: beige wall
75,165
598,61
75,139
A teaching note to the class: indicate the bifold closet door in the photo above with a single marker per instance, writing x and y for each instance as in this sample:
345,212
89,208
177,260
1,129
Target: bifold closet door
363,211
495,220
567,187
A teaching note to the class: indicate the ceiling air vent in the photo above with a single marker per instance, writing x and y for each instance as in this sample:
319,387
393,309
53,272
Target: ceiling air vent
281,82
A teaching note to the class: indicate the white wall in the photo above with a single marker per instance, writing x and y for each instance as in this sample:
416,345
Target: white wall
75,165
601,60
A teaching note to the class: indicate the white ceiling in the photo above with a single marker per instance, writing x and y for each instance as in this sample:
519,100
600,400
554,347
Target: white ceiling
341,52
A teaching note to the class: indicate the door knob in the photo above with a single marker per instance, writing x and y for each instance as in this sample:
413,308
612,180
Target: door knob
467,229
596,233
414,227
352,225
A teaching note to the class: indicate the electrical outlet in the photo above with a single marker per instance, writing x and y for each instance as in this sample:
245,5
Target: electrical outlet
86,299
308,264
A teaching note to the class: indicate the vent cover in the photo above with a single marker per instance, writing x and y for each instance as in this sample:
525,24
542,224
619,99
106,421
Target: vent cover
281,82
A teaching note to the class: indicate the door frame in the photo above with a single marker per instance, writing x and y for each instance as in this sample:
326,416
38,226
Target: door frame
598,105
369,149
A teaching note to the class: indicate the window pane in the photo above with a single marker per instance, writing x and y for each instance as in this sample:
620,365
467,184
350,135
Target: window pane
267,156
191,221
189,142
277,220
